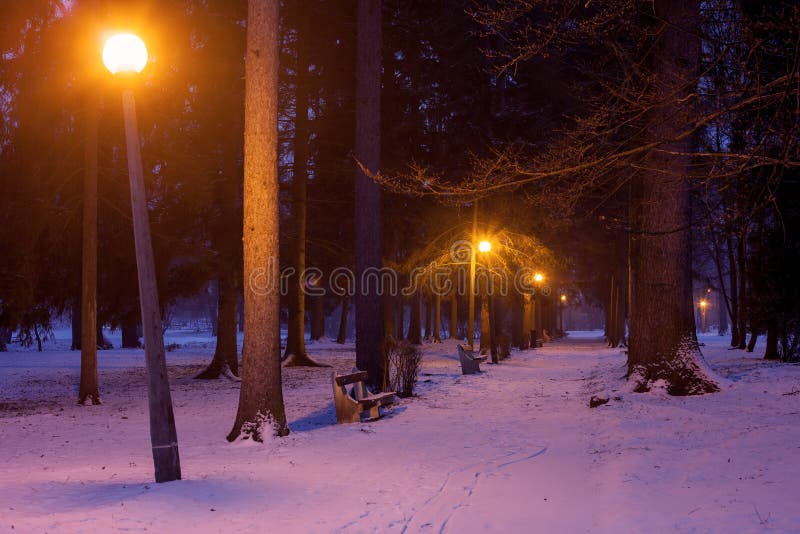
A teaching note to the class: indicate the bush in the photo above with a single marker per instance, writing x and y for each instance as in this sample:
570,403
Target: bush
401,361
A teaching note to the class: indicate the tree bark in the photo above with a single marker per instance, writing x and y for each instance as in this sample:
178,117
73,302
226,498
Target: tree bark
741,253
75,324
296,355
437,319
663,342
342,337
317,317
734,299
751,345
485,341
226,355
454,313
527,303
368,230
428,317
261,409
88,388
771,351
415,321
130,333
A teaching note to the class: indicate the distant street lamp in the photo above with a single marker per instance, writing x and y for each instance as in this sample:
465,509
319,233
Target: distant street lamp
562,302
536,310
703,307
483,246
125,54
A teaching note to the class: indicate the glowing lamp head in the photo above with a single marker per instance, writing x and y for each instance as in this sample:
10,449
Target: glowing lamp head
484,246
703,303
124,52
563,298
538,277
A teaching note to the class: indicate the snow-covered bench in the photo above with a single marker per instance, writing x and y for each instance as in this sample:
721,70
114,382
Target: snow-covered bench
355,403
470,364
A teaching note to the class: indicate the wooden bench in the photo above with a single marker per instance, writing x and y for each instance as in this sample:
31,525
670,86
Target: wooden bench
470,364
355,404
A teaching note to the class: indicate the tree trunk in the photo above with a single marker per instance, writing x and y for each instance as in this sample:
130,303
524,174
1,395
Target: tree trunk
88,388
734,299
75,323
226,354
317,317
428,317
388,315
437,318
261,409
751,345
454,314
771,351
527,303
5,338
415,321
296,355
741,252
485,341
130,333
342,337
663,342
368,230
212,299
722,310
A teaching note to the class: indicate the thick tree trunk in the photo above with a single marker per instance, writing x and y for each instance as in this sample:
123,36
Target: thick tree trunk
342,337
130,333
317,317
261,409
771,351
663,343
226,354
88,388
368,229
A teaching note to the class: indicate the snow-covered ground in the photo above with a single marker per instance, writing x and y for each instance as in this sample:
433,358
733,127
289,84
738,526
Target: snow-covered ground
515,449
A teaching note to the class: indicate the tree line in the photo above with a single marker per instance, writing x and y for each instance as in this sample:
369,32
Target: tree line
634,151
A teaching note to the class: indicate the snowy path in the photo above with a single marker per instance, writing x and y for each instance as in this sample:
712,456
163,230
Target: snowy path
515,449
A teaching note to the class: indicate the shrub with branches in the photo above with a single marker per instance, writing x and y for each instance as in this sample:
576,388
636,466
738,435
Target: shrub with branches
401,361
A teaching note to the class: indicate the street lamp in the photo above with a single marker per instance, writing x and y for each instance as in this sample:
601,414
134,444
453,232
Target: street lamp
703,307
126,54
483,247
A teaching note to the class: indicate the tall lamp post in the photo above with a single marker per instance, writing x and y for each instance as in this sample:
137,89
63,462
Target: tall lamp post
471,292
126,55
703,307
